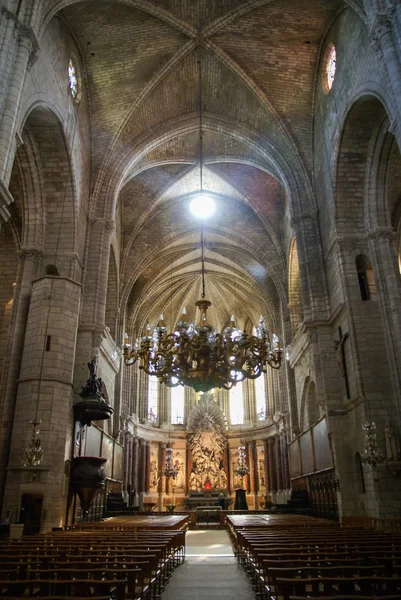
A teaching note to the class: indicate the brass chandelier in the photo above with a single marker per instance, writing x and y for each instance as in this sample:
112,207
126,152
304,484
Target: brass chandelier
200,357
196,355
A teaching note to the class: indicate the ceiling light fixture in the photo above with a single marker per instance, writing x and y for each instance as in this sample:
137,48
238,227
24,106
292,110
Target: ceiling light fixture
195,354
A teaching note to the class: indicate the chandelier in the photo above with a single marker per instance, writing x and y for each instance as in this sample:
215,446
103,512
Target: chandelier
196,355
242,468
169,470
201,358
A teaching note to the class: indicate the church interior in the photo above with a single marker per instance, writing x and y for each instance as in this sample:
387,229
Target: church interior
200,233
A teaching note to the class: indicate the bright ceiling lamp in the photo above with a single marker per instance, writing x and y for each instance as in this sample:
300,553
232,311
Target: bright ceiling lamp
194,353
202,207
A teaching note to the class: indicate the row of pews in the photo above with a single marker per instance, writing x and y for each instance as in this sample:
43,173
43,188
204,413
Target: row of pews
290,557
129,560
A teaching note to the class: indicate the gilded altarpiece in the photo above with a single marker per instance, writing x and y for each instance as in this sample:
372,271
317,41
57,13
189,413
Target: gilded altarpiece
207,443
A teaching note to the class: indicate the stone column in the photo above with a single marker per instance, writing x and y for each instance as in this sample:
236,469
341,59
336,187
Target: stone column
284,454
130,459
45,393
249,412
266,466
142,471
272,467
253,475
279,468
126,462
27,47
161,486
382,34
135,461
384,258
147,481
27,272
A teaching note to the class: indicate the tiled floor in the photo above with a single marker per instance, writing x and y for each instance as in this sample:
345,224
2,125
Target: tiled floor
210,570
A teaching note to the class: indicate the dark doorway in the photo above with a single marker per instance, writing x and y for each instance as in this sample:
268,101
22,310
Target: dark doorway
31,513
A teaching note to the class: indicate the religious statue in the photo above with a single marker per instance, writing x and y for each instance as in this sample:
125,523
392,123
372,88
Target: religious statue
94,385
207,440
393,448
339,344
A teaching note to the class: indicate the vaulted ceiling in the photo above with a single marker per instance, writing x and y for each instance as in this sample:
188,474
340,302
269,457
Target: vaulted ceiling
260,63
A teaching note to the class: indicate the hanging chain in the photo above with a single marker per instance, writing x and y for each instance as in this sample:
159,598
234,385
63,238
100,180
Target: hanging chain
203,260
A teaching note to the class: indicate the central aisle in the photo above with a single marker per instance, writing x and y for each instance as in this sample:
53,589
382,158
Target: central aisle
210,570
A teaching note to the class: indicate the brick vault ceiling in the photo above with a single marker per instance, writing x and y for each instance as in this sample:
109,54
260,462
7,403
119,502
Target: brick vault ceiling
259,68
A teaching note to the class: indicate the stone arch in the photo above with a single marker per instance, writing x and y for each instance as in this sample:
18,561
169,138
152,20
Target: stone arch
310,410
48,140
112,295
362,123
294,287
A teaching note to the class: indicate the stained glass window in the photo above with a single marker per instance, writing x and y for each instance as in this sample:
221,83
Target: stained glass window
153,397
331,67
260,397
237,404
72,79
177,405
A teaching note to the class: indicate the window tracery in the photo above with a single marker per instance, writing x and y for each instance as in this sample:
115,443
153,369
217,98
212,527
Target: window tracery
72,79
153,399
177,405
237,404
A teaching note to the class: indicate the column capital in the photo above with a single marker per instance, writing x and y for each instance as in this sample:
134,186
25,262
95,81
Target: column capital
25,36
382,25
300,218
382,233
30,253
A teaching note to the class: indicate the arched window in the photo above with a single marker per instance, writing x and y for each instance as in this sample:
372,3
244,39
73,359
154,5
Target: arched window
177,405
153,399
366,278
237,404
260,397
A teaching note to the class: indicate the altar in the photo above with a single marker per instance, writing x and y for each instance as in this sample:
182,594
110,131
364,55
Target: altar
203,499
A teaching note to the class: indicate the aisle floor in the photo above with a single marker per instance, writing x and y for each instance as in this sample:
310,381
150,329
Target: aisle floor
210,570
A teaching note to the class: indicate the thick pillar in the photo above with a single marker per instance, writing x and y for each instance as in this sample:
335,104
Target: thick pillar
45,393
27,272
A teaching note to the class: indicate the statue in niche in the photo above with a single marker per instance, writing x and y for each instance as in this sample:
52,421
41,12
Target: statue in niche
154,472
261,469
393,449
179,465
208,443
